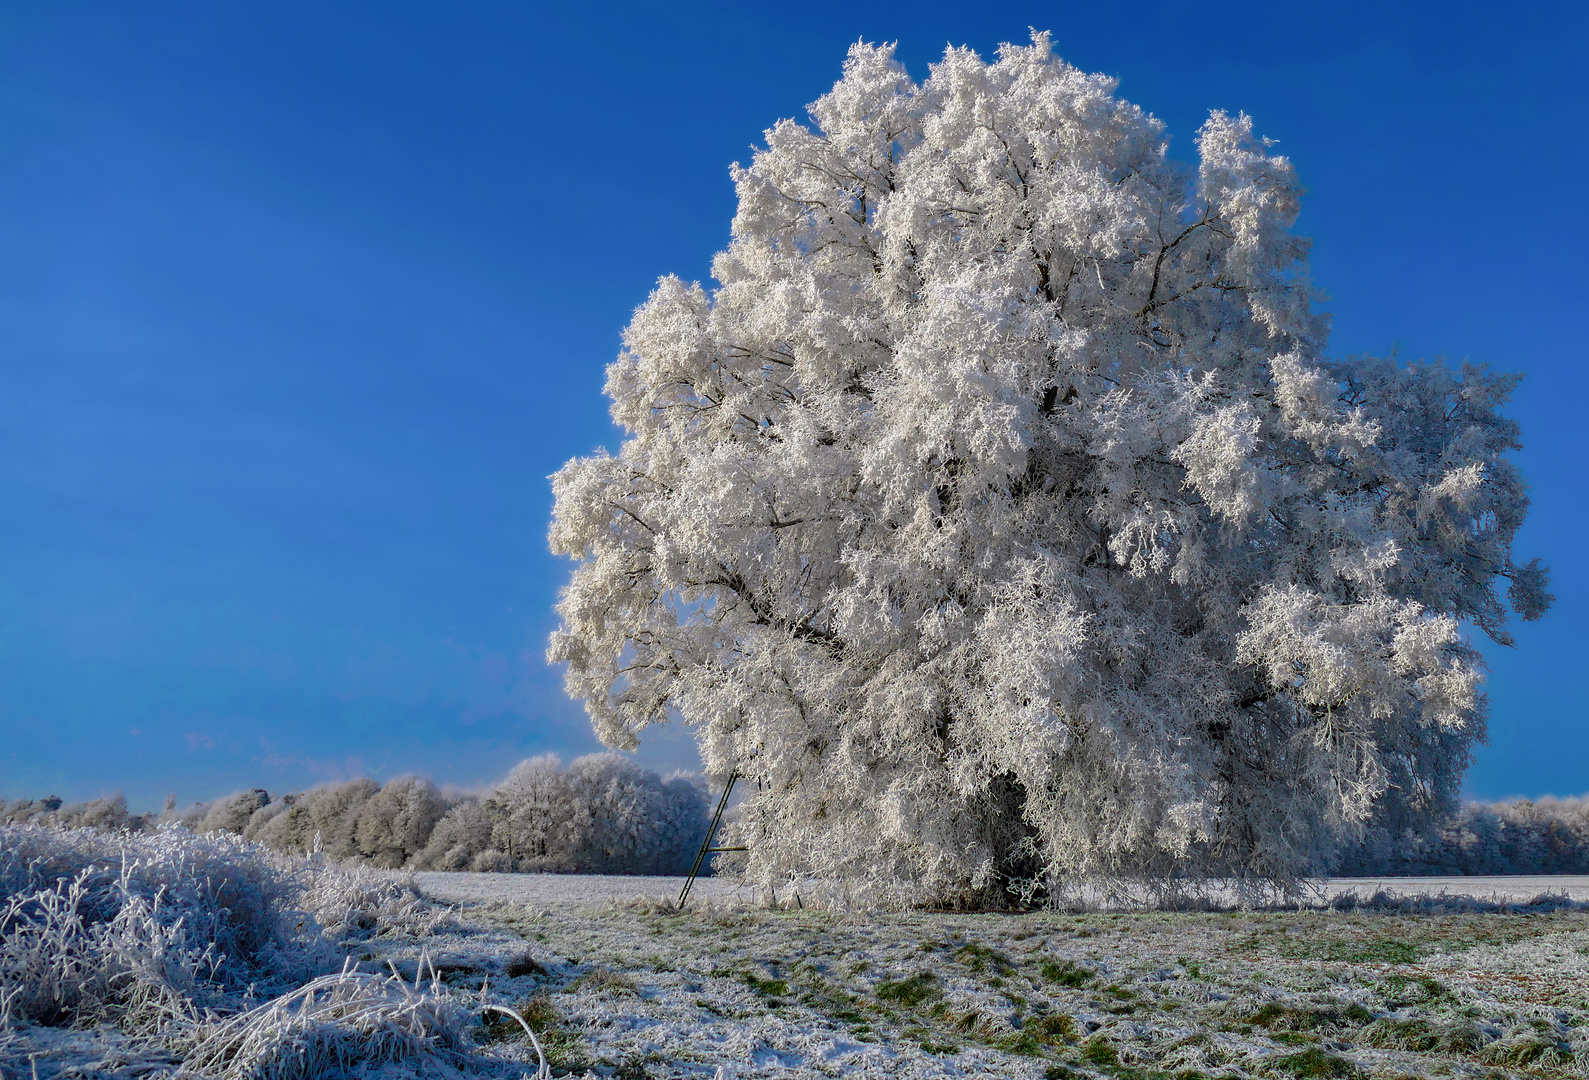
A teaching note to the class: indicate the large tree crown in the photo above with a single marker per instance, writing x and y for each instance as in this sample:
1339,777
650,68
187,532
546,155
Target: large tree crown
1001,493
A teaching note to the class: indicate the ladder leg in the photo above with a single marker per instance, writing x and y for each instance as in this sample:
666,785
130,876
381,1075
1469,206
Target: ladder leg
706,841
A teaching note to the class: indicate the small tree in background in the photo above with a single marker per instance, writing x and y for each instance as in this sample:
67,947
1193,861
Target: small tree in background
1001,516
461,834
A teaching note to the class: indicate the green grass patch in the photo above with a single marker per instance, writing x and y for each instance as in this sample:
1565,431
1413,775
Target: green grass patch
768,988
1422,1036
605,981
1100,1051
1065,973
1400,991
1382,951
1274,1016
1039,1033
910,992
565,1052
979,957
1313,1062
1527,1052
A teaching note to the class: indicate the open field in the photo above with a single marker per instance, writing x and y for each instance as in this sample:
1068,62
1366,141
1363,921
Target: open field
626,986
620,984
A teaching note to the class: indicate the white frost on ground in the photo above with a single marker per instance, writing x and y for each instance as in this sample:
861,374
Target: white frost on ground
559,889
624,986
620,985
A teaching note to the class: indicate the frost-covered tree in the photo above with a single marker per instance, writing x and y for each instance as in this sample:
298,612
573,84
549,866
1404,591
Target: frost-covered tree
395,824
108,812
463,832
627,820
531,812
1550,836
1000,515
329,813
232,813
603,814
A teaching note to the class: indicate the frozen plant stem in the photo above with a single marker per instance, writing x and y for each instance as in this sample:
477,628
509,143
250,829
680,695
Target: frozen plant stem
545,1071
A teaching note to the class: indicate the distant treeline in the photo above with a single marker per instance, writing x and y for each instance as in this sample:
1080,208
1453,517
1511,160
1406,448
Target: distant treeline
601,815
1550,836
604,814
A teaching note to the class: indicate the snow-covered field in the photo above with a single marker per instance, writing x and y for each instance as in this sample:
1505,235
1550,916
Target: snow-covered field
560,889
625,985
617,983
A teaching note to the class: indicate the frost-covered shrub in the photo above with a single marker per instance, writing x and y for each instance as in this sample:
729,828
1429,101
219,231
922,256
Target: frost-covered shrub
260,818
151,930
603,814
97,925
463,831
28,811
492,861
351,902
627,820
330,1026
322,819
109,812
532,811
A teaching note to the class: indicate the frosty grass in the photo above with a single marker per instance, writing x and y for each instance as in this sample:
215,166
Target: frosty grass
628,985
617,983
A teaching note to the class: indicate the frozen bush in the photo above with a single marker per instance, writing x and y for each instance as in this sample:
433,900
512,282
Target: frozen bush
603,814
334,813
109,812
356,902
625,820
23,811
492,861
265,815
147,930
97,924
532,811
330,1026
329,813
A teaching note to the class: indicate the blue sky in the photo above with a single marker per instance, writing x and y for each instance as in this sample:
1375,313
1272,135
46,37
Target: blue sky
301,303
